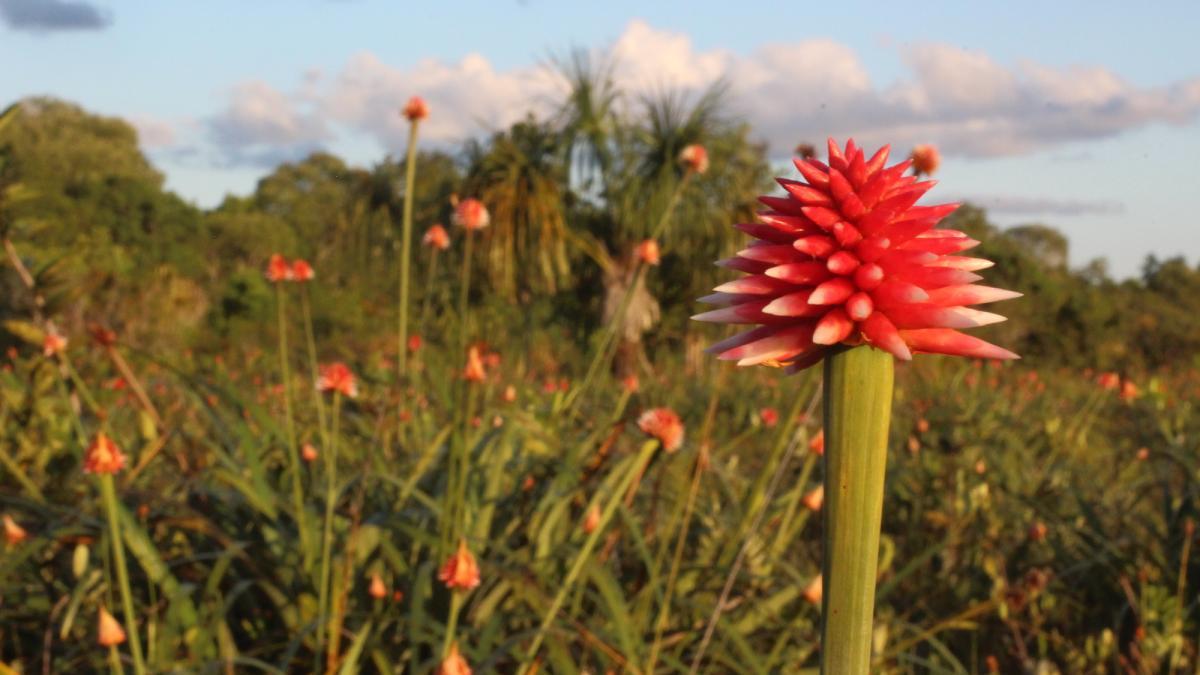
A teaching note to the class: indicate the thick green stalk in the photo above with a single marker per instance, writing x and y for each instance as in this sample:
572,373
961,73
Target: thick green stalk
109,496
330,497
410,173
858,406
285,372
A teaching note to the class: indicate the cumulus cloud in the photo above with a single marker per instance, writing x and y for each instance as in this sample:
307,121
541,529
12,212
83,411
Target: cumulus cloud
153,132
52,15
965,101
1026,205
262,126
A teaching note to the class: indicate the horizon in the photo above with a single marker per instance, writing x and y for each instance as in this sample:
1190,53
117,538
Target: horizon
1089,132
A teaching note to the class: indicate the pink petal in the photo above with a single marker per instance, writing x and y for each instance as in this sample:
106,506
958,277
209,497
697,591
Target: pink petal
878,160
859,306
842,262
813,171
940,245
785,205
868,276
743,338
895,292
880,331
836,159
834,327
794,223
757,284
960,262
745,313
823,217
832,292
767,232
933,316
969,295
728,298
793,304
781,345
817,245
806,360
802,273
775,254
872,248
743,265
935,277
806,194
948,341
846,234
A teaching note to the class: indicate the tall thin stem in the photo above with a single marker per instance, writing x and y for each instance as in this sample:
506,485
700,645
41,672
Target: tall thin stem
313,366
430,275
858,406
410,173
330,498
465,291
109,497
285,372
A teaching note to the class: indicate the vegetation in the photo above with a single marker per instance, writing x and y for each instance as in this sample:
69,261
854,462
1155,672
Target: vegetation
1037,518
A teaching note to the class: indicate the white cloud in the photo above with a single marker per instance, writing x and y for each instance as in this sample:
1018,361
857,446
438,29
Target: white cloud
1032,205
963,100
153,132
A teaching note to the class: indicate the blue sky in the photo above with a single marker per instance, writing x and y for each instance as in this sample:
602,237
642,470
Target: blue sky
1073,114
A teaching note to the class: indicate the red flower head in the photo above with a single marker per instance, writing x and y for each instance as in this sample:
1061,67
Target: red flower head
302,271
278,269
1129,390
377,589
105,337
647,252
1108,381
13,533
510,394
814,499
848,258
474,372
416,109
414,343
460,569
694,158
103,456
630,384
471,214
769,417
337,377
814,590
663,424
591,519
109,632
53,343
309,453
437,238
454,663
817,444
925,159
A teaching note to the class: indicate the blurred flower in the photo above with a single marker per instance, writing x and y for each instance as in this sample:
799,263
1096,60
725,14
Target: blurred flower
768,416
922,425
1037,531
337,377
436,237
460,570
278,269
980,467
925,159
416,109
490,359
993,664
846,259
397,596
1143,454
13,533
529,483
471,214
377,589
806,151
110,633
591,519
630,384
663,424
817,444
474,372
302,271
813,591
104,337
1129,391
814,499
1108,381
647,252
454,663
510,394
694,158
414,343
103,456
308,452
53,343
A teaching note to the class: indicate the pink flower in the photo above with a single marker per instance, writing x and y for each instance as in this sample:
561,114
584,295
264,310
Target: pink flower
471,214
454,663
663,424
302,271
460,570
694,158
814,499
814,591
13,532
436,237
103,456
848,258
337,377
474,372
647,252
109,630
309,453
53,344
769,417
416,109
278,269
925,159
630,384
377,589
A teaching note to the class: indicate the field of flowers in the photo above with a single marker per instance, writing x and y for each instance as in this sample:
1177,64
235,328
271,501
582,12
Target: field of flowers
465,490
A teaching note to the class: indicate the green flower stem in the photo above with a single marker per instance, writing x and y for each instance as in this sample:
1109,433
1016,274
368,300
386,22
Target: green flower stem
410,173
427,300
285,372
614,500
109,496
305,307
858,403
464,293
456,602
330,497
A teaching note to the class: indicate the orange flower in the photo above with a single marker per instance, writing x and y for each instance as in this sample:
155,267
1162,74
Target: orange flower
925,159
471,214
474,371
630,384
814,499
1143,454
103,456
308,452
302,271
817,444
694,158
591,519
278,269
1129,390
377,589
337,377
414,343
454,663
416,109
110,633
53,343
436,237
510,394
663,424
1109,381
813,591
460,570
1037,531
13,533
647,252
922,425
769,417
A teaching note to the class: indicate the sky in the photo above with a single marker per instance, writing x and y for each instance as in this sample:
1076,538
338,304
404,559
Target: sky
1081,115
